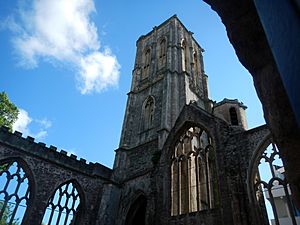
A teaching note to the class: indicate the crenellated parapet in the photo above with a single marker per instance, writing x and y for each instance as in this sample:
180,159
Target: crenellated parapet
39,149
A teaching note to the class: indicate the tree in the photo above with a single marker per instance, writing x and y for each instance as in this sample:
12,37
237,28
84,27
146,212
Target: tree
8,111
7,213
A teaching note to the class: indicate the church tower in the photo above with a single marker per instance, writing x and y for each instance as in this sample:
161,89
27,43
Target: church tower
168,73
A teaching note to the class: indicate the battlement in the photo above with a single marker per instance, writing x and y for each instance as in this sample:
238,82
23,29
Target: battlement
172,18
28,145
230,101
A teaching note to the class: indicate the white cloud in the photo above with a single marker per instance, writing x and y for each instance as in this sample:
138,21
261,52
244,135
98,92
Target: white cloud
98,71
22,122
62,31
25,122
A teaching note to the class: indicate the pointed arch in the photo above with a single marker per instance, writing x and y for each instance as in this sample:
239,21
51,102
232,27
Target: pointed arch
146,63
148,113
196,63
193,172
268,189
162,52
184,56
16,190
137,212
65,205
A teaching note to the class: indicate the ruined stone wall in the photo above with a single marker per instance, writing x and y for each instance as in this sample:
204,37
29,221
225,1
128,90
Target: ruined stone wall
135,162
219,131
47,169
234,149
131,190
241,147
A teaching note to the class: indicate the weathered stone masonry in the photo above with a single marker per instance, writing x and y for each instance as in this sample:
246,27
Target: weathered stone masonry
168,96
47,169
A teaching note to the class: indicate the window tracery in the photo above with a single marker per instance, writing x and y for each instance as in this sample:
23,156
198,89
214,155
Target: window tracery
193,174
62,206
269,188
14,192
162,53
148,113
147,60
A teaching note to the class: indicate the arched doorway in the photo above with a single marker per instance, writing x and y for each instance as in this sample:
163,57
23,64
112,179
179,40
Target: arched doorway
137,212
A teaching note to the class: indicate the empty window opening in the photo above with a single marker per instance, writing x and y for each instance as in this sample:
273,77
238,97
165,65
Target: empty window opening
195,56
233,116
271,190
14,193
147,60
184,56
63,206
162,53
193,173
148,113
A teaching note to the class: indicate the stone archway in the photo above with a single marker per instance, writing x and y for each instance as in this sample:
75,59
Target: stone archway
137,212
246,33
268,189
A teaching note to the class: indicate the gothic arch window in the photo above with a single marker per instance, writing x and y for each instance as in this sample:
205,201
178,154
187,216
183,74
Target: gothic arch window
137,212
14,192
162,53
147,61
184,56
233,116
148,113
269,190
193,173
63,206
195,60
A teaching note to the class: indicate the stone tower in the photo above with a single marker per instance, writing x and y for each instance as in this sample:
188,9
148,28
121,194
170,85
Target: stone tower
168,73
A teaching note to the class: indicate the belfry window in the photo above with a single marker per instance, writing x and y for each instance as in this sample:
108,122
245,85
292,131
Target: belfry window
147,60
148,113
193,173
184,56
63,206
195,56
162,53
233,116
14,192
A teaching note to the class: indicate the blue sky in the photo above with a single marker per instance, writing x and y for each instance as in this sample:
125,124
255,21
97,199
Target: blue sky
67,65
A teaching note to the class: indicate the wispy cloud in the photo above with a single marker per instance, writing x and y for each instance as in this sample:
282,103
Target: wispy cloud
62,31
25,122
44,123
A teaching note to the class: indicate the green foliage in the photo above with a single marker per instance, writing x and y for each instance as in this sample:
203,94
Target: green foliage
8,111
4,167
6,215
